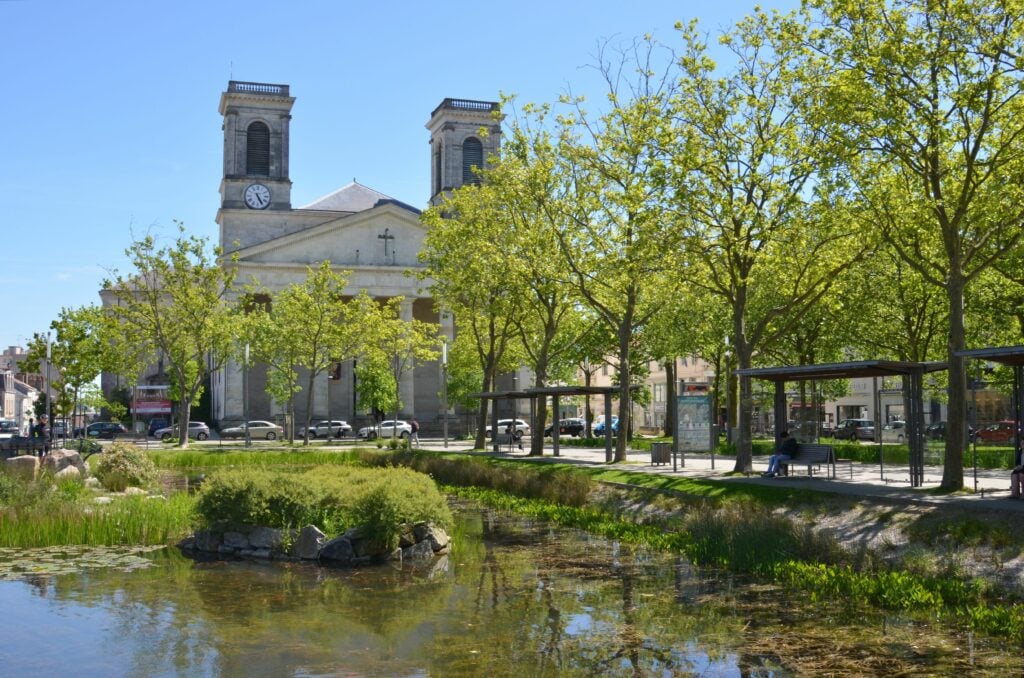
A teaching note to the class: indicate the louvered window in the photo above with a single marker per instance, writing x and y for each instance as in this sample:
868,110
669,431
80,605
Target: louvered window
257,150
437,170
472,156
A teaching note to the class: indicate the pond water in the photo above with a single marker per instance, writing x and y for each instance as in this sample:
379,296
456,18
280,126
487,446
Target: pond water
515,598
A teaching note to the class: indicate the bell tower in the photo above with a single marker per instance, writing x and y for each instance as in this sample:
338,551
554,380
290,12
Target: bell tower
256,117
463,134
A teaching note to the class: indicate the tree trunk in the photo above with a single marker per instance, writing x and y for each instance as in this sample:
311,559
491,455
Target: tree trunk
624,401
670,396
956,435
481,416
744,461
184,410
309,409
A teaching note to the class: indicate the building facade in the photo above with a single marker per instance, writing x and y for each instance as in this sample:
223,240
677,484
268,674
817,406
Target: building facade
372,236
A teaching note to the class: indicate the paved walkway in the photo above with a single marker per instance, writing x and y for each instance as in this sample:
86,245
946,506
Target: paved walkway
891,483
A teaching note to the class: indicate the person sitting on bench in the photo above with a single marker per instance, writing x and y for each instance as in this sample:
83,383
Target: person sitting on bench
784,451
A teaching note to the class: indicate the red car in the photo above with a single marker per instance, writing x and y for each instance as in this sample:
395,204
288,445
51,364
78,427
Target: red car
999,432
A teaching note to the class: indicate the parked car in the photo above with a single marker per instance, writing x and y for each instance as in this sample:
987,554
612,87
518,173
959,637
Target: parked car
8,427
386,429
107,430
157,423
196,429
599,428
521,428
572,426
999,432
894,432
937,431
855,429
323,429
257,429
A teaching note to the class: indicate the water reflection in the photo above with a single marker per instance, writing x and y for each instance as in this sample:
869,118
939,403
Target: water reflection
516,597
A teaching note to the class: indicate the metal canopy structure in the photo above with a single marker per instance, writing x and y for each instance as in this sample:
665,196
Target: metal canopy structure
554,392
1011,356
913,393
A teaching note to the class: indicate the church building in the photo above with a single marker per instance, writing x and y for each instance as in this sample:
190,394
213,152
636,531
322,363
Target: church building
373,236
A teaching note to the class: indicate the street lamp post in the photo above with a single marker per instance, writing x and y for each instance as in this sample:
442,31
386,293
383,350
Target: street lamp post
444,388
49,400
245,397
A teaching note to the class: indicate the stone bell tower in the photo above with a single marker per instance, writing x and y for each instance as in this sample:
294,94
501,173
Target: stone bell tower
463,134
256,117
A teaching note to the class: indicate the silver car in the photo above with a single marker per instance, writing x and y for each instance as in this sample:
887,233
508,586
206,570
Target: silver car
387,429
257,429
335,428
196,429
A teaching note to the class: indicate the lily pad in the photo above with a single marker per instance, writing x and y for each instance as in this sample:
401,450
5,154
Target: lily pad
55,560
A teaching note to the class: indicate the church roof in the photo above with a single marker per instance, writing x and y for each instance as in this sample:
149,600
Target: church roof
354,198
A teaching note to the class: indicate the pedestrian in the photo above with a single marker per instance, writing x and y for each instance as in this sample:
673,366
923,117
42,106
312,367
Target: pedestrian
415,439
784,451
41,431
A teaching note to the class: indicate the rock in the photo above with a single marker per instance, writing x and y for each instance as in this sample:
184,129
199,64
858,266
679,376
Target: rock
437,537
103,500
226,550
68,472
236,540
260,553
207,540
338,550
187,544
134,491
408,537
25,466
309,543
265,538
58,460
92,481
419,551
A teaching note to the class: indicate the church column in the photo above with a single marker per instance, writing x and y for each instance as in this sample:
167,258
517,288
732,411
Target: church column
406,388
233,399
320,386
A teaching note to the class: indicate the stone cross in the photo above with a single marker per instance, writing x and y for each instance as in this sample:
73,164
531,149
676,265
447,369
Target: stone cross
385,237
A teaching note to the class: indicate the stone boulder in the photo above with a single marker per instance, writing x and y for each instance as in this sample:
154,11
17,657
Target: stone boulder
68,472
309,543
58,460
338,550
25,466
419,551
438,538
266,538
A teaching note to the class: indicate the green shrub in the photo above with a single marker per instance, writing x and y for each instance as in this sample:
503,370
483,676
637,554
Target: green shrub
84,446
124,465
330,497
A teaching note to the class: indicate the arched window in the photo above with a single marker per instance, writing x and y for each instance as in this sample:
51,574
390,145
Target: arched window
472,156
257,150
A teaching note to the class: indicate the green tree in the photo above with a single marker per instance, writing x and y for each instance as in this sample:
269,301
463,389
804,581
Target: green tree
620,238
174,304
464,260
924,96
403,344
310,326
767,241
79,352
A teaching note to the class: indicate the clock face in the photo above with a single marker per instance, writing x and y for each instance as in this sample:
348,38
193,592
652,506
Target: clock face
257,196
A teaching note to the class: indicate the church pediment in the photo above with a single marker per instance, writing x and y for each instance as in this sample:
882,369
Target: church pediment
386,235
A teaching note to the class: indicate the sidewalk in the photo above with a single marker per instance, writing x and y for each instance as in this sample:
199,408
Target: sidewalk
891,483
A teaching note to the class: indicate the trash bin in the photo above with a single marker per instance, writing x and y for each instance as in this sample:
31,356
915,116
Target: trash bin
661,453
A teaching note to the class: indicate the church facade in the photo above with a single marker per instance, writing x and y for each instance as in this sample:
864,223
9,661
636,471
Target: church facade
374,237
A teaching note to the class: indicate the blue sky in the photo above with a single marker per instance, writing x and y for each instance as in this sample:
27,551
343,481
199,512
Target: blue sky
109,127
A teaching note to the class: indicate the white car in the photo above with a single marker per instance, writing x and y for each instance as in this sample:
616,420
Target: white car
324,429
521,428
386,429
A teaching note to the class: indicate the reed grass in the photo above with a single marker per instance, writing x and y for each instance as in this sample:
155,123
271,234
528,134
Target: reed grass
126,520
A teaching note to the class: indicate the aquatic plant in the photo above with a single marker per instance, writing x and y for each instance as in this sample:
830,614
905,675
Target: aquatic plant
124,465
330,497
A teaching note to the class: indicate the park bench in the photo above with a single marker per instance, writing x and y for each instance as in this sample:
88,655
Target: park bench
812,455
510,439
15,445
